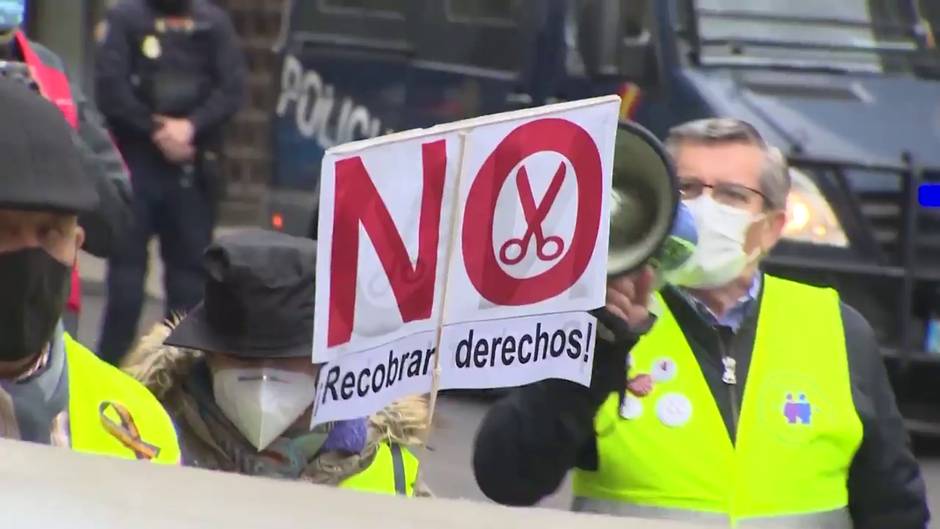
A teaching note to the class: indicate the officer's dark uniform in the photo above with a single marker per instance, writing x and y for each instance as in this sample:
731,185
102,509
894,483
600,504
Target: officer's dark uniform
147,66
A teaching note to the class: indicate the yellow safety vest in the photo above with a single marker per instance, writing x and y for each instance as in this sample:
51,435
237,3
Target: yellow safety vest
393,471
668,455
112,414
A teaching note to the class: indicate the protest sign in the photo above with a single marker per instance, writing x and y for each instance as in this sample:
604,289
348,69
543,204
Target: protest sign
474,248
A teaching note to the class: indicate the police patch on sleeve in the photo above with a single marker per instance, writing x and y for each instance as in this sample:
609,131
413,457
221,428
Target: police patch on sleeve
101,31
150,47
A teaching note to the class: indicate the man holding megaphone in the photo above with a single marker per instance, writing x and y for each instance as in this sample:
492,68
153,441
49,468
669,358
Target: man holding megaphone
816,440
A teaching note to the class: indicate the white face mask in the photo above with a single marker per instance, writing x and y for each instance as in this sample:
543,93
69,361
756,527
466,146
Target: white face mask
262,402
719,256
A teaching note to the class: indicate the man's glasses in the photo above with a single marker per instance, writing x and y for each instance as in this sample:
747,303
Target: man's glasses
734,195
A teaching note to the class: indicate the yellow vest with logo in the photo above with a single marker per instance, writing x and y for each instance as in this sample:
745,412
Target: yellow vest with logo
797,433
102,399
393,471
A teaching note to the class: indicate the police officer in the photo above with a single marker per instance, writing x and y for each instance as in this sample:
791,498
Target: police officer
169,75
37,66
750,400
52,389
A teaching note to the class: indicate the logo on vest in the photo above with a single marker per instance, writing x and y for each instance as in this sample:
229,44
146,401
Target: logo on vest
794,407
797,410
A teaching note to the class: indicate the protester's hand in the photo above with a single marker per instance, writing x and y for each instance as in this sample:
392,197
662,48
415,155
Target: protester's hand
640,385
179,130
628,298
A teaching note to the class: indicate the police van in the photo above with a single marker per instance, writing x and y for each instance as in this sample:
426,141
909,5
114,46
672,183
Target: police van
849,89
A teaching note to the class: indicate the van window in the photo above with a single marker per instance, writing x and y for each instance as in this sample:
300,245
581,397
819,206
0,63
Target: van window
834,33
498,11
612,38
377,24
377,7
486,34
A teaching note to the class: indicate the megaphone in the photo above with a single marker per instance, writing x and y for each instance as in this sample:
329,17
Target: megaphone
644,203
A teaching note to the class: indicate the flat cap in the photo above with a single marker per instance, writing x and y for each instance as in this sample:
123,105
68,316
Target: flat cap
40,162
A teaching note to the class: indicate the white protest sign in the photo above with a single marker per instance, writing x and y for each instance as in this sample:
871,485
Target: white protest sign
478,225
533,199
381,245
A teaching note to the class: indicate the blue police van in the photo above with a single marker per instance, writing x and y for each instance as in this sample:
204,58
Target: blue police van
849,89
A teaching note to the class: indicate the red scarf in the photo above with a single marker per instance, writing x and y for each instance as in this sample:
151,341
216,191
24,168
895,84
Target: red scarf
54,86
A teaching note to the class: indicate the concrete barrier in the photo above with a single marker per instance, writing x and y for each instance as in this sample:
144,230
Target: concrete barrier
50,488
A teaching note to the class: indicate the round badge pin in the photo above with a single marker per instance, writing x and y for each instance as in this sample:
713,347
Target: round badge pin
674,409
663,369
632,408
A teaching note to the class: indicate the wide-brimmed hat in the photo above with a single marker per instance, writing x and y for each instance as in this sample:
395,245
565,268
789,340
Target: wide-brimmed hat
42,168
259,298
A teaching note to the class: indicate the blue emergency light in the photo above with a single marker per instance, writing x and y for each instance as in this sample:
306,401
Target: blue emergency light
928,195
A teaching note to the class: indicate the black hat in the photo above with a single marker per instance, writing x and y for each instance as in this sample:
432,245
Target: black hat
259,297
41,165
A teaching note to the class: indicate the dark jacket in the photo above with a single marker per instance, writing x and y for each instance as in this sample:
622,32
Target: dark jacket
530,440
209,58
103,163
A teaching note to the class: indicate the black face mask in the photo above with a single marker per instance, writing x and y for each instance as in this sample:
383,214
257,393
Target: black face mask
33,289
170,7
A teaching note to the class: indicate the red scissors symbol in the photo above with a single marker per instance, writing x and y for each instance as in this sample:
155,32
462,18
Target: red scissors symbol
514,250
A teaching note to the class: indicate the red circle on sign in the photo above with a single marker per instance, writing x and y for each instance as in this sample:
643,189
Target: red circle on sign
489,278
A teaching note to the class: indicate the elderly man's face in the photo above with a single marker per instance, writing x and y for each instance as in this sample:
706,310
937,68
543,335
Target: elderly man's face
57,233
733,171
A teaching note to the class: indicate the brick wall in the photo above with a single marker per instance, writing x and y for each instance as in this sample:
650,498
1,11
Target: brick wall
247,156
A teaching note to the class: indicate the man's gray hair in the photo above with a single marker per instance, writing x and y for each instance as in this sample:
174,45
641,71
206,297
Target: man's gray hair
774,179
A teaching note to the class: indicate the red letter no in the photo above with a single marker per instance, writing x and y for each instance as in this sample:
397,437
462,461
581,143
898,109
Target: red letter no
358,202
